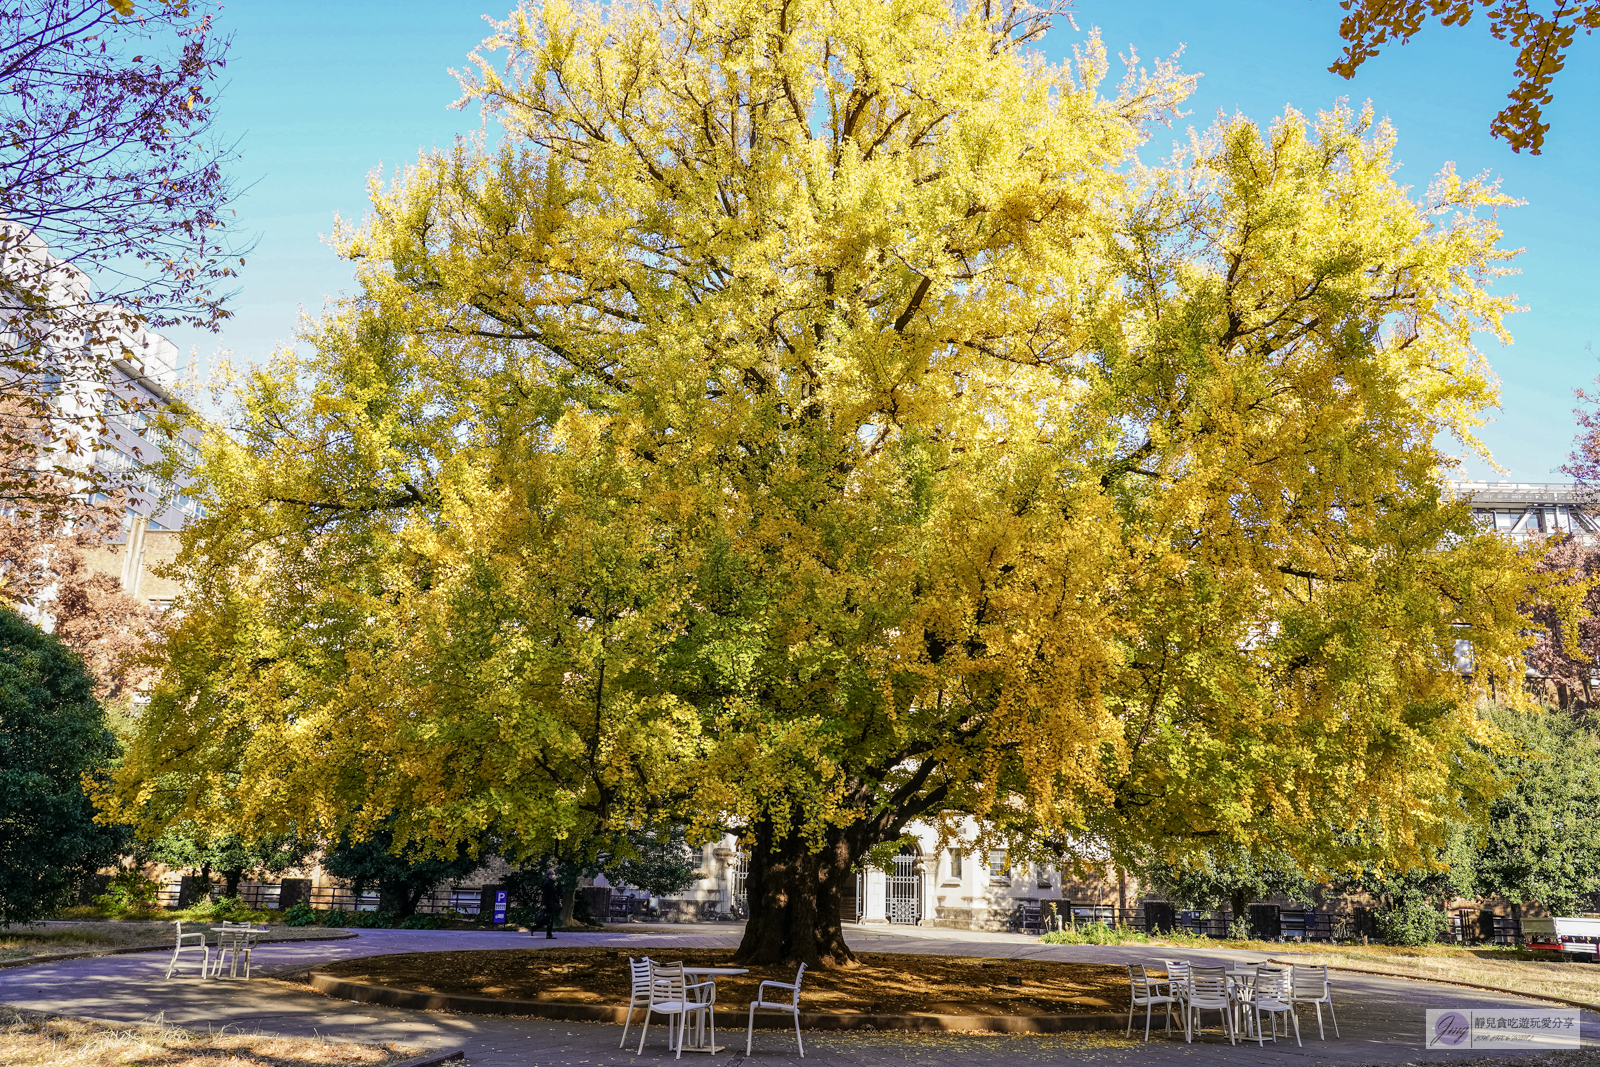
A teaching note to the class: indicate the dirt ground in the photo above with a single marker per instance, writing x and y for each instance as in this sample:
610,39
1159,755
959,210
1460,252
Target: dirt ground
31,1039
882,983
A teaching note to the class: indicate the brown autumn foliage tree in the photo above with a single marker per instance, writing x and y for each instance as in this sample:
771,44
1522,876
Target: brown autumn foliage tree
1541,34
1568,674
45,572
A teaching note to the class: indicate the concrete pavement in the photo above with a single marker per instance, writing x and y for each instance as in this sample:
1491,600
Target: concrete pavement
1381,1019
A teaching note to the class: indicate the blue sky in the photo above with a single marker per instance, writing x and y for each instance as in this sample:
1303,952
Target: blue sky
318,95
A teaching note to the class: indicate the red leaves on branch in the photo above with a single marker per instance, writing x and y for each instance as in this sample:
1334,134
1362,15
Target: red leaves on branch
114,208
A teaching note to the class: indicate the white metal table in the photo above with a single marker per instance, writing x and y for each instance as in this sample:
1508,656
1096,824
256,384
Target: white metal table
1244,979
702,1042
232,934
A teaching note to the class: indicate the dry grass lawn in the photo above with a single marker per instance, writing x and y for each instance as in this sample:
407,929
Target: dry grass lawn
29,1039
20,942
883,983
40,939
1500,968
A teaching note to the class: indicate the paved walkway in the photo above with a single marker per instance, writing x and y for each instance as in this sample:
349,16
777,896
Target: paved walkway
1381,1019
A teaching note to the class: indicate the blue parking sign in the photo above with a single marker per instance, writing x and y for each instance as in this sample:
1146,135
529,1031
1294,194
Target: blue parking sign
500,905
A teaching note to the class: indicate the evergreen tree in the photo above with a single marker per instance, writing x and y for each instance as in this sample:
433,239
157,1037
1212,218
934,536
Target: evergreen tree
52,734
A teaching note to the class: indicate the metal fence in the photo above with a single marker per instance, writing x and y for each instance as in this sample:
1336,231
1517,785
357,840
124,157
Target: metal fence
601,902
1266,922
272,896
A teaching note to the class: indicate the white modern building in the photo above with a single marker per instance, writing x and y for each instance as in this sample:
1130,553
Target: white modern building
109,398
1532,509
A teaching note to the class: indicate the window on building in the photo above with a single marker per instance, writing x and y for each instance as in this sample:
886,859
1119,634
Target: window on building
999,865
1044,879
955,863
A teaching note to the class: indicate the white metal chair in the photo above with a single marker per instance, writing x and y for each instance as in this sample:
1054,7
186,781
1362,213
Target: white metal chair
197,940
1142,993
1177,982
1310,986
793,1007
239,942
1272,996
1208,991
670,996
640,975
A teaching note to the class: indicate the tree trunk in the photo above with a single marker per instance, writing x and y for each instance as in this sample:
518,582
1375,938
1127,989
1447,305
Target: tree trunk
1239,910
795,897
398,899
569,901
205,881
230,883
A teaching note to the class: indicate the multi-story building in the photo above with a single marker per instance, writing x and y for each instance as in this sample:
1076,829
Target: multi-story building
140,387
102,370
1533,509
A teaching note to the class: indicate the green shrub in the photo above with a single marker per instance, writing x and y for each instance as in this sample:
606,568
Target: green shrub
128,892
335,917
370,920
301,914
1096,934
211,909
221,909
1412,922
422,922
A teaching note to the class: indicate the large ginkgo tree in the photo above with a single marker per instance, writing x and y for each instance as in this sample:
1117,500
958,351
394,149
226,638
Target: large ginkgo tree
807,418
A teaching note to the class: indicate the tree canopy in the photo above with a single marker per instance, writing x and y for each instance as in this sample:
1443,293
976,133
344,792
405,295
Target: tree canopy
812,418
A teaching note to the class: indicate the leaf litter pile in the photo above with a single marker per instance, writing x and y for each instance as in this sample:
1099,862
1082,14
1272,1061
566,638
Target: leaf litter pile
881,983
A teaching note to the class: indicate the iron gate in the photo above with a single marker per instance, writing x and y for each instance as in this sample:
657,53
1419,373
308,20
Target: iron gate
855,899
905,889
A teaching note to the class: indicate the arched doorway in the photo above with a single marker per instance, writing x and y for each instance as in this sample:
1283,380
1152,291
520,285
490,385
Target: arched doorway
904,887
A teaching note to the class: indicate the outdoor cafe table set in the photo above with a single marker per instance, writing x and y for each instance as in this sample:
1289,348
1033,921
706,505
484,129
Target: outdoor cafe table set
666,989
1241,996
235,939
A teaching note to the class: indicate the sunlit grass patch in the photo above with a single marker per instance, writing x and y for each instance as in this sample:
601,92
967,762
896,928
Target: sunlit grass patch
17,944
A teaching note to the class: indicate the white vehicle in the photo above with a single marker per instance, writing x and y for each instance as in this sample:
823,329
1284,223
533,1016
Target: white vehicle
1575,937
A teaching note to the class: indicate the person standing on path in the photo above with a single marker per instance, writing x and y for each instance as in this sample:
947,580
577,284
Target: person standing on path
550,901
